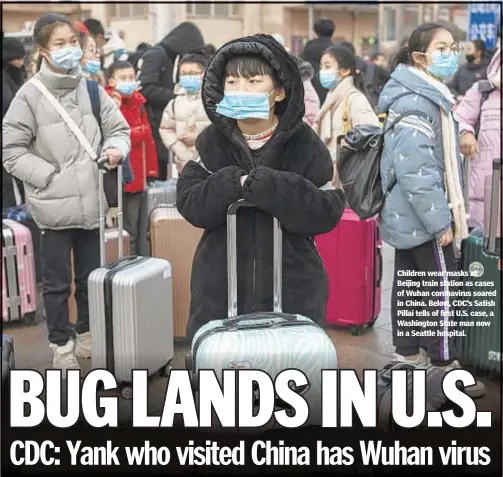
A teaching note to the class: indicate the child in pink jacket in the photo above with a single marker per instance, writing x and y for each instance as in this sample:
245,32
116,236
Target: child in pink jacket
311,99
486,147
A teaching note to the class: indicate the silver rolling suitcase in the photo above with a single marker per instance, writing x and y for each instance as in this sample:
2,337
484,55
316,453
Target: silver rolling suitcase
156,194
269,341
130,310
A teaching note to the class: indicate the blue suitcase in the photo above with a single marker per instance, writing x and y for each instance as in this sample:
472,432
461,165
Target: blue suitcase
271,341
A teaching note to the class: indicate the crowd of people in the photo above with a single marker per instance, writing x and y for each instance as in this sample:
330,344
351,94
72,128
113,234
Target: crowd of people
251,121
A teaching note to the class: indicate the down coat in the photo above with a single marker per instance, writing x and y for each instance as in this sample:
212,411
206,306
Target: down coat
183,117
416,210
489,139
284,183
60,178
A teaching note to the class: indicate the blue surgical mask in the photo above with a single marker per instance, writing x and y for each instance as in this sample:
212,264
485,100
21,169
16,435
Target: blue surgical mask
190,83
127,88
93,67
244,105
328,79
66,58
443,66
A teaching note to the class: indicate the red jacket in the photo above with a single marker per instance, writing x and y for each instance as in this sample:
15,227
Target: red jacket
142,141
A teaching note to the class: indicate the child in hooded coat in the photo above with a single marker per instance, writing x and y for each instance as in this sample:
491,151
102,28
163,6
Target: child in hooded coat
266,154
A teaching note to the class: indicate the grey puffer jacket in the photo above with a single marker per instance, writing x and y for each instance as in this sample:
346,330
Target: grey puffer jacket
416,210
60,178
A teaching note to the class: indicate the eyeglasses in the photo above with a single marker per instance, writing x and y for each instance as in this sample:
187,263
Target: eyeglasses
447,50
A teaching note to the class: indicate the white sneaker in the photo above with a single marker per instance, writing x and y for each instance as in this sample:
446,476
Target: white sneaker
64,357
419,359
83,346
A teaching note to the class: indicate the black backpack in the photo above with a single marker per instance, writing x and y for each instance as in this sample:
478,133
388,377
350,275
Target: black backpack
359,167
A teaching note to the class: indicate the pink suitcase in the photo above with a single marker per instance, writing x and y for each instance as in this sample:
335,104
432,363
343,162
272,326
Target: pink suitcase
19,287
351,254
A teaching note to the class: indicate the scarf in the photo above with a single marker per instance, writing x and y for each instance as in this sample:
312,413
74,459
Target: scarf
323,121
452,180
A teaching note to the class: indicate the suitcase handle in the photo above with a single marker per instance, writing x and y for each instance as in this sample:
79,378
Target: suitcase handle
379,259
232,269
258,316
494,210
102,161
120,261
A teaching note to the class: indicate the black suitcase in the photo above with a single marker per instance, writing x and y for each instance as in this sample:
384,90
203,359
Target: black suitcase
435,398
8,358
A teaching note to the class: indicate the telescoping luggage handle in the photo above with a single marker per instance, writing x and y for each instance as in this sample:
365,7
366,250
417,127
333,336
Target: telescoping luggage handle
495,207
102,162
232,259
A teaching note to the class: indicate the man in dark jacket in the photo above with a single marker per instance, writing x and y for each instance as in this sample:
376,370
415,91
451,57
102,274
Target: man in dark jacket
13,77
157,78
374,76
314,49
283,177
475,69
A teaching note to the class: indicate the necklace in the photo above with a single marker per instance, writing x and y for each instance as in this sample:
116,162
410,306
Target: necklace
260,136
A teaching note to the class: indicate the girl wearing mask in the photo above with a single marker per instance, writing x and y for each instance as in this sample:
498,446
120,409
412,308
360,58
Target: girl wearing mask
346,105
184,117
257,148
91,64
424,215
61,178
480,130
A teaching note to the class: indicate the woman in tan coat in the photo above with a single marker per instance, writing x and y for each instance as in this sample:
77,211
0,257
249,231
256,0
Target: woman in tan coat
184,117
346,105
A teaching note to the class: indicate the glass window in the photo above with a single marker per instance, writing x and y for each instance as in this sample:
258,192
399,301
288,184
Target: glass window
221,9
140,9
389,24
410,20
428,14
203,9
236,9
124,10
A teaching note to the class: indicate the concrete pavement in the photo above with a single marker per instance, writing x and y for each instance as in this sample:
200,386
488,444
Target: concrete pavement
372,349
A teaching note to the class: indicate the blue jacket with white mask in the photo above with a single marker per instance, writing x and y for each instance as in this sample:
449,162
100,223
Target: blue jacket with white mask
416,210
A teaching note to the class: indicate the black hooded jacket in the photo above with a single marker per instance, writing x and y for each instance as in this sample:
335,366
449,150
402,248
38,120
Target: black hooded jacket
156,73
467,75
285,184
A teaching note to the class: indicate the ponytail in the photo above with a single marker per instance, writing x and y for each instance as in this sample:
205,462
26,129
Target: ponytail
358,81
402,57
39,62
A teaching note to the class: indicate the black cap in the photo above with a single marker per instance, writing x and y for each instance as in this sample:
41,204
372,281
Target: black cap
12,49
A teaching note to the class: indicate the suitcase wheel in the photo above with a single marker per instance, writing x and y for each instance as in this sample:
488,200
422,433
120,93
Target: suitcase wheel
30,319
126,391
356,330
165,370
189,361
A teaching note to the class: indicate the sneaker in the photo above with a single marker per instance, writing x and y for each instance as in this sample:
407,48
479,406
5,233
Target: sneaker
64,357
83,346
476,391
416,359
